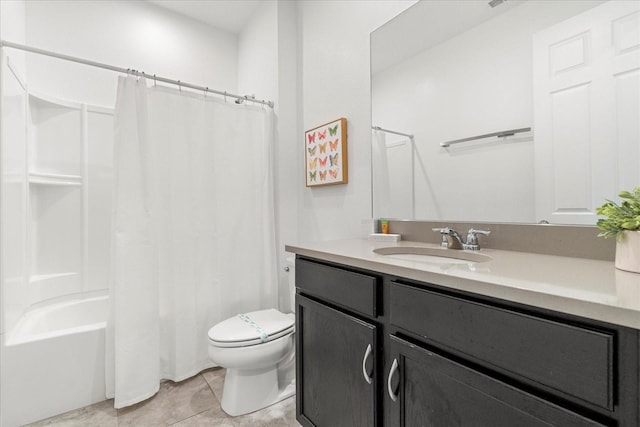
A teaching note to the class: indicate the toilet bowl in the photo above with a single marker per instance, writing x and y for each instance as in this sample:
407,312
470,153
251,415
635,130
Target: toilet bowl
257,349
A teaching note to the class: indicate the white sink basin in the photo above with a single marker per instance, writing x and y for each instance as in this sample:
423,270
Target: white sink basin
432,255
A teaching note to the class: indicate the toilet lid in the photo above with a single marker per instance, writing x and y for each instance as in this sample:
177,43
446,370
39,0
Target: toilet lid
251,328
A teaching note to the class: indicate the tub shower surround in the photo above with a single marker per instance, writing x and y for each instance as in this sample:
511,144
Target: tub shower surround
56,222
70,335
66,252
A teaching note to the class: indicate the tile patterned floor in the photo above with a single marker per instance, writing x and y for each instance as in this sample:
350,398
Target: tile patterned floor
191,403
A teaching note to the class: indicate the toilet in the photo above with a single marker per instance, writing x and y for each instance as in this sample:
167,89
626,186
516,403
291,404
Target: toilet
258,351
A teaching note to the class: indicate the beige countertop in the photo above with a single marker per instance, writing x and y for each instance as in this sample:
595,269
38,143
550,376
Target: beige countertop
582,287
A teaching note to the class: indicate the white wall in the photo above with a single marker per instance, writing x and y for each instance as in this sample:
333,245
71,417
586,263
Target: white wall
12,167
267,68
336,83
13,20
128,34
323,73
288,125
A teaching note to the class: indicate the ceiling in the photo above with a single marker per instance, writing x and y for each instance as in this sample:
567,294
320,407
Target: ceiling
229,15
427,24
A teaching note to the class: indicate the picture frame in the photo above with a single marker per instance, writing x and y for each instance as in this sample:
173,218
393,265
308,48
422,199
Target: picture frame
325,154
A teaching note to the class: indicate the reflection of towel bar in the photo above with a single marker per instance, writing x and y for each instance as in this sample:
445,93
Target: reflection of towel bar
378,128
501,134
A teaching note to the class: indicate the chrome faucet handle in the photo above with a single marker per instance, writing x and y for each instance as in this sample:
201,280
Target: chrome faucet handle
451,239
443,232
472,238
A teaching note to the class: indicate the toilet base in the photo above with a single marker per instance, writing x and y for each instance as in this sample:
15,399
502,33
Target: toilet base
249,390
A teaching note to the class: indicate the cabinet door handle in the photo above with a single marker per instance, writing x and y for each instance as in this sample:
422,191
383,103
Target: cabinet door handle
394,368
367,353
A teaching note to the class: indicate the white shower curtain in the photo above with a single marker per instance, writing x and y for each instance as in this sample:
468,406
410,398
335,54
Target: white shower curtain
193,230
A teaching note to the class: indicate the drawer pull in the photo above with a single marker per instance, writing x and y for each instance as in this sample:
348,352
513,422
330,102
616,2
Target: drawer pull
394,368
367,353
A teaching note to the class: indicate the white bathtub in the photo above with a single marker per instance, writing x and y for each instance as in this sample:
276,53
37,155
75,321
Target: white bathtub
53,360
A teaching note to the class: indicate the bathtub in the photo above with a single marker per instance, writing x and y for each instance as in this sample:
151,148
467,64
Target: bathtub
53,359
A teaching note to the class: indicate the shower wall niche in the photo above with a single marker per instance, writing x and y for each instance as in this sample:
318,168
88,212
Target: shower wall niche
56,184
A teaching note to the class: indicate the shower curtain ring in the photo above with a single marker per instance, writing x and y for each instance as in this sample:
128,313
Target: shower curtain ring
206,89
179,86
154,80
225,96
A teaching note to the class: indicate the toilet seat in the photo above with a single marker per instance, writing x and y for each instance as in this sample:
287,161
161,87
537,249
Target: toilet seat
252,328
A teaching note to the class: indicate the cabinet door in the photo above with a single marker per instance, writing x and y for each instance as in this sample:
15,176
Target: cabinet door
335,365
426,389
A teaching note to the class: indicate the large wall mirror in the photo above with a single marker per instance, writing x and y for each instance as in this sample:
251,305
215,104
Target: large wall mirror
513,111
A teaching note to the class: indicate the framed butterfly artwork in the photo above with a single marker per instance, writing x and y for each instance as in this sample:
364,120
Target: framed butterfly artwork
325,154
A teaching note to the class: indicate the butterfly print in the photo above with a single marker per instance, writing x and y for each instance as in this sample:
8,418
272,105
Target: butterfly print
333,145
312,150
312,176
323,148
333,130
323,175
334,159
323,162
313,163
322,135
311,137
333,173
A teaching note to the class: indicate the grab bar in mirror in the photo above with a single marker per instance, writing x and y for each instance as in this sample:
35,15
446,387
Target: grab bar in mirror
501,134
378,128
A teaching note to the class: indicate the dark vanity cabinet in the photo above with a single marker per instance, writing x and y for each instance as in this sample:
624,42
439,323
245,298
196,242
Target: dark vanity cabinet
441,357
337,347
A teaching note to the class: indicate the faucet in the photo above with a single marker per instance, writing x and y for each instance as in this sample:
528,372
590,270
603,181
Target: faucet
451,239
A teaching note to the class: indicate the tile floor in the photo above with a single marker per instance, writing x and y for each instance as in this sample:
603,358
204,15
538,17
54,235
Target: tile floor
193,402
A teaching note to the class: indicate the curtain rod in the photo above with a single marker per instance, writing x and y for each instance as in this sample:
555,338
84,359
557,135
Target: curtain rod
409,135
239,98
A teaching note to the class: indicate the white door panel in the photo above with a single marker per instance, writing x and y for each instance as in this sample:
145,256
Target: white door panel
586,111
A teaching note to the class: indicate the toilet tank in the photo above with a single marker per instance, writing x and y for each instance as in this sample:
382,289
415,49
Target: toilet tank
291,268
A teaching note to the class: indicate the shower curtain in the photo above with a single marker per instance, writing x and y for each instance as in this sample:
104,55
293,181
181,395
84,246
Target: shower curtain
193,230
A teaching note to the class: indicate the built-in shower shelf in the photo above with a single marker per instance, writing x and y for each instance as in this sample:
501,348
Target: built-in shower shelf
55,179
38,99
54,285
44,277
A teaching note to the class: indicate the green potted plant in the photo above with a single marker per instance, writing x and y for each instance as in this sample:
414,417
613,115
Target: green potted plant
623,221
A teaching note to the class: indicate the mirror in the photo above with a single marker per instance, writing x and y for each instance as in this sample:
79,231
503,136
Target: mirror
449,71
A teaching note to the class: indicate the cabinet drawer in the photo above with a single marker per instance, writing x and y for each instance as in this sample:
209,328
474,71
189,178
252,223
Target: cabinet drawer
352,290
573,360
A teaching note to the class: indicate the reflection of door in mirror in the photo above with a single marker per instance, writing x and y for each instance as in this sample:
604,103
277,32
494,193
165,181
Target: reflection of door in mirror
587,111
479,80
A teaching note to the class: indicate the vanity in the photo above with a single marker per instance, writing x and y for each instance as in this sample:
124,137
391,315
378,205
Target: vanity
538,328
515,338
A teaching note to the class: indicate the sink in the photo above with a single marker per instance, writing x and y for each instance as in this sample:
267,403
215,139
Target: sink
431,255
